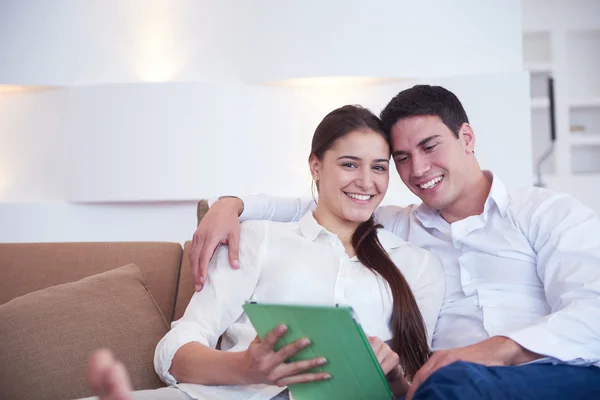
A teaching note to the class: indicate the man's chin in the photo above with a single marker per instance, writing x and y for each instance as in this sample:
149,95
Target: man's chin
434,202
435,205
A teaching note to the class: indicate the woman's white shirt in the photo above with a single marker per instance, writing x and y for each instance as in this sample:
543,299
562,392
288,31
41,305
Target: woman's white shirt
295,263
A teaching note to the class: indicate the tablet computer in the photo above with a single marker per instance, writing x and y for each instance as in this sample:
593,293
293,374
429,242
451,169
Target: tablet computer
335,334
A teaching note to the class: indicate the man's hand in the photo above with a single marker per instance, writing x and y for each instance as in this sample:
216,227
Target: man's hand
265,365
220,225
495,351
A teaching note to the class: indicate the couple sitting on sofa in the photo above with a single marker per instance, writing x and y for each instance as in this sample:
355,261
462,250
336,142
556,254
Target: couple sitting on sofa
522,270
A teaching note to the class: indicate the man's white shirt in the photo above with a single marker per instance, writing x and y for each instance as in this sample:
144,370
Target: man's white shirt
527,268
299,263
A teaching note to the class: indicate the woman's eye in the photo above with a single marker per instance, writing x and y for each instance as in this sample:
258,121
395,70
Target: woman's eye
380,168
349,165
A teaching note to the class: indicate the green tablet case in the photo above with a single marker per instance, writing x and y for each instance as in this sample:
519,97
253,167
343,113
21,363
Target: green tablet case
334,334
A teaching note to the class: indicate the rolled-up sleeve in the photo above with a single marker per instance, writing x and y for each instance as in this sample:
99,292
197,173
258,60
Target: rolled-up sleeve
220,303
566,237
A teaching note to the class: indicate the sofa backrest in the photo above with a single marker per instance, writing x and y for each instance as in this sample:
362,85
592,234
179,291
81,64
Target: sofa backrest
27,267
186,283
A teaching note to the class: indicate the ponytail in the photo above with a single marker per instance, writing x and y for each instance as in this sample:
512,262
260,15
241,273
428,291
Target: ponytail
409,338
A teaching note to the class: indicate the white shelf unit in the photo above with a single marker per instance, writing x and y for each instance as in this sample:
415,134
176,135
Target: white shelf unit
589,102
583,66
561,38
584,120
539,103
571,57
537,56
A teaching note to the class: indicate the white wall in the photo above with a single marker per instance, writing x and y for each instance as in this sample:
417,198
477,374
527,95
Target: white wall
112,41
33,149
110,156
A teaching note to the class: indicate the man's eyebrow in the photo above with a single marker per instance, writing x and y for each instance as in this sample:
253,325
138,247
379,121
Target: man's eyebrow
424,141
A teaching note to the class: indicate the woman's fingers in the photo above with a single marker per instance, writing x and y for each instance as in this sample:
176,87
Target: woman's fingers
303,378
379,348
386,357
267,345
286,370
286,352
390,362
273,363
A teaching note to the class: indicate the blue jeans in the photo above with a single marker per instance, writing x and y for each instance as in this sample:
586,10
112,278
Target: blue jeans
462,380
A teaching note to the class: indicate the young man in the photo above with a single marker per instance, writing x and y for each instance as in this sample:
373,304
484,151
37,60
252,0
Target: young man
521,314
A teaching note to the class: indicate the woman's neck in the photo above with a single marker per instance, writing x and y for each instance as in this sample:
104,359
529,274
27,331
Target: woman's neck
343,229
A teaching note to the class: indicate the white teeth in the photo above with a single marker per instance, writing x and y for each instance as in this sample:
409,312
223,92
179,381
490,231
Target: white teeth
358,196
431,183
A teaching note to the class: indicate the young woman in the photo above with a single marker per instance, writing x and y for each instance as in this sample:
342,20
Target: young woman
336,255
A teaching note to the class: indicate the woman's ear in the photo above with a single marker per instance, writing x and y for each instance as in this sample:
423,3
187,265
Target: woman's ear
467,136
315,166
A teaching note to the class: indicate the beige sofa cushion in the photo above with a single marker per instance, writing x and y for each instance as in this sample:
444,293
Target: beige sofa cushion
48,335
27,267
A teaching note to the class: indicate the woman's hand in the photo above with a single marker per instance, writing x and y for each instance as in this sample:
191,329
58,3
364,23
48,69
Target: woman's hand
265,365
390,364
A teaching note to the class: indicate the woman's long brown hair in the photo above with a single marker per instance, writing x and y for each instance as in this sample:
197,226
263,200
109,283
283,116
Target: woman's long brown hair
409,333
409,338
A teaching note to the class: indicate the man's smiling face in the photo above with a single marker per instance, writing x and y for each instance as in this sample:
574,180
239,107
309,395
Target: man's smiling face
431,160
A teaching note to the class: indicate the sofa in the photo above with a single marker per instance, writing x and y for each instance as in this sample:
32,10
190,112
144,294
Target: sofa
61,301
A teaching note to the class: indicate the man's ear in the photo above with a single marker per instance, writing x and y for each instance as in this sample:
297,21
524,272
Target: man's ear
467,136
315,166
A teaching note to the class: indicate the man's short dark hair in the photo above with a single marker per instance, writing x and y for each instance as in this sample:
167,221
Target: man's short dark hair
421,100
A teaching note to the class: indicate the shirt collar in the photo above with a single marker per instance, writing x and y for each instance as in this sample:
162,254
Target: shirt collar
498,195
310,229
309,226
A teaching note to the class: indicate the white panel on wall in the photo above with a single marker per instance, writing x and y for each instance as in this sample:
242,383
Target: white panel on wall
188,141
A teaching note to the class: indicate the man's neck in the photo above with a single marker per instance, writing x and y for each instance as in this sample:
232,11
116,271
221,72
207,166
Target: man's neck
472,199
